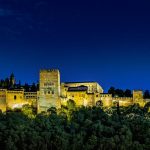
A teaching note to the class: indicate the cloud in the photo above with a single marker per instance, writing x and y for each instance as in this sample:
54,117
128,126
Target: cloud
5,12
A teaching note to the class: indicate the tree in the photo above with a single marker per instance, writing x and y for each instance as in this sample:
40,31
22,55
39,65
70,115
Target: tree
112,91
12,80
37,86
147,107
33,88
146,94
28,110
52,110
26,87
118,109
128,93
71,104
19,84
119,93
7,83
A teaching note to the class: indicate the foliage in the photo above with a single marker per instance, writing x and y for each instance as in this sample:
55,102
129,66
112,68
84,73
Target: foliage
28,111
120,92
147,94
87,128
9,83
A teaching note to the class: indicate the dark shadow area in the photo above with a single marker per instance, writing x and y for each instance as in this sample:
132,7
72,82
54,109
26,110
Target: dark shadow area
87,128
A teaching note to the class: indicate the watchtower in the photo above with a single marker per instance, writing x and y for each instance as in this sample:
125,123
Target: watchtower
49,90
138,97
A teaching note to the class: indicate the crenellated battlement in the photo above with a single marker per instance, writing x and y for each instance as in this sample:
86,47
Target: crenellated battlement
123,98
49,70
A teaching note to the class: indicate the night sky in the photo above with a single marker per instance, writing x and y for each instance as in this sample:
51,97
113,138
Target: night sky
107,41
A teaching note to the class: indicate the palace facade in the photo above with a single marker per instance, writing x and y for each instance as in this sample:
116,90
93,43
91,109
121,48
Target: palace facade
53,93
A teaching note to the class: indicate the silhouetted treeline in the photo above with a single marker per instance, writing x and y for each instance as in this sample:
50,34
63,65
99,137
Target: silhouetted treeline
10,84
72,128
120,92
7,82
31,88
147,94
126,93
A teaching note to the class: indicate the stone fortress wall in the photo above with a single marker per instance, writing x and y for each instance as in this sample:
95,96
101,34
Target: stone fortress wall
52,93
10,99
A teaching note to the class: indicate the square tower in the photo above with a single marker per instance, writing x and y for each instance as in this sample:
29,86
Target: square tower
138,97
49,90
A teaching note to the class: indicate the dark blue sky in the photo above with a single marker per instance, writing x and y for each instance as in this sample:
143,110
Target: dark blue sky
107,41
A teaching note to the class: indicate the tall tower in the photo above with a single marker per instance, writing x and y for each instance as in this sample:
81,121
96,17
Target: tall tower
138,97
49,90
12,79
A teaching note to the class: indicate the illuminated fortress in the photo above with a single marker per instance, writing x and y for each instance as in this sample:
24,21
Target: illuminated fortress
53,93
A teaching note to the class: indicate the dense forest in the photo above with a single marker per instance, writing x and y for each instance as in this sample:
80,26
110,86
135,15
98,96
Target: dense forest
72,128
